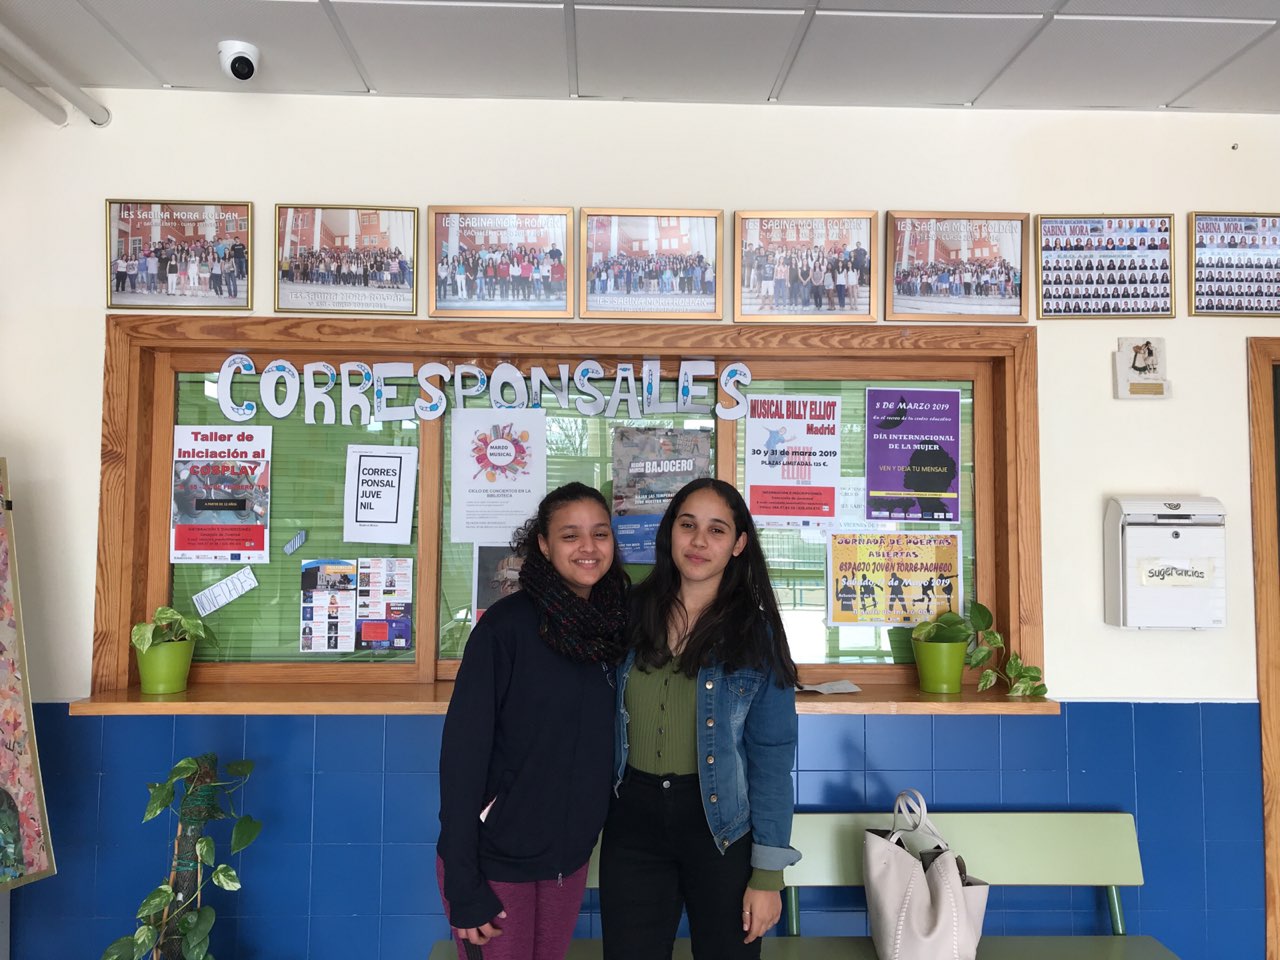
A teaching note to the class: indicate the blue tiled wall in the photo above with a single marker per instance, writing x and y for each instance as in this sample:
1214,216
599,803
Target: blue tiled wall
345,864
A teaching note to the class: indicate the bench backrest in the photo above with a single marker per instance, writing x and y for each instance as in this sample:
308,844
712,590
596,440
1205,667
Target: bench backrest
1009,849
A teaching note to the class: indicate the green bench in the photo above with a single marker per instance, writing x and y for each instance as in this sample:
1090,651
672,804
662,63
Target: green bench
1005,849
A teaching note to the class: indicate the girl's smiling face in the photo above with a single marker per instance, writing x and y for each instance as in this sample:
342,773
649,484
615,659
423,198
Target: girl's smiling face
579,544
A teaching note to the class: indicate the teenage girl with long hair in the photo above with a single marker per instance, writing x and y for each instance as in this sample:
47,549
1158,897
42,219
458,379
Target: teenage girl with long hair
701,819
527,752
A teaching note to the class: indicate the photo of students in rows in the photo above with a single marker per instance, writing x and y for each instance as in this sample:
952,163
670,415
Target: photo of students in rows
346,259
662,264
1238,305
1145,288
178,256
1237,264
500,262
1237,289
1104,304
1062,270
957,266
1105,265
798,265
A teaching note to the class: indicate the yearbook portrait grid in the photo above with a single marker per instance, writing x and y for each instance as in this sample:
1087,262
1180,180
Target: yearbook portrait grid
1236,263
1106,266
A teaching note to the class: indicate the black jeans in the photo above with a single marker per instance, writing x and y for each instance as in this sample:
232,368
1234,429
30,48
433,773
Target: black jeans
657,856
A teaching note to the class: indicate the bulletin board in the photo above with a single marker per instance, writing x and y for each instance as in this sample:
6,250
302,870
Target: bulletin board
158,375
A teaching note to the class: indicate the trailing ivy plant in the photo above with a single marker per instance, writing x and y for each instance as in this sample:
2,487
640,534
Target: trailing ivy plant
987,651
174,924
167,626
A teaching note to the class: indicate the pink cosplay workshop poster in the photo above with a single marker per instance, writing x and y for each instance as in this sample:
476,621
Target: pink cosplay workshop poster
25,851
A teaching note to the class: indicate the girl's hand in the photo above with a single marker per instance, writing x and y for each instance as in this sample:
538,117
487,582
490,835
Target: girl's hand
760,911
482,934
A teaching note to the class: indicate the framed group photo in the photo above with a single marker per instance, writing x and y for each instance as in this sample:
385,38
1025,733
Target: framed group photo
956,266
346,259
1106,265
804,265
651,264
1234,264
501,261
179,255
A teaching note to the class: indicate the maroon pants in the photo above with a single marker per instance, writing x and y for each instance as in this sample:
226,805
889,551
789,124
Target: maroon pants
540,917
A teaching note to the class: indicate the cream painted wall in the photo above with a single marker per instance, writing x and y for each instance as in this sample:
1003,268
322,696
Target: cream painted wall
416,152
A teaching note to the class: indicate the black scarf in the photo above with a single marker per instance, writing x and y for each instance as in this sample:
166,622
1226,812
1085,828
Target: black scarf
584,630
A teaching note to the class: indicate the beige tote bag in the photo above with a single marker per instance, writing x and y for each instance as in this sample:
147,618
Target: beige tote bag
920,906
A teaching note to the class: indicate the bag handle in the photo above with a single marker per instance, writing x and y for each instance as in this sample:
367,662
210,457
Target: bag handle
911,807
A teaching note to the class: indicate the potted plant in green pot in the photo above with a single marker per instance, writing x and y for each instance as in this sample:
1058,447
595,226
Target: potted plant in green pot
174,922
940,647
944,647
164,645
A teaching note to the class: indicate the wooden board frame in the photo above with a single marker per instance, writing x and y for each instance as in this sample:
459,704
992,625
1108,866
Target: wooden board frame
144,352
1264,357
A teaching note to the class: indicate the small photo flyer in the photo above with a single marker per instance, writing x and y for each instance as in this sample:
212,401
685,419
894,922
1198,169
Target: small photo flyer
384,603
221,495
496,574
328,606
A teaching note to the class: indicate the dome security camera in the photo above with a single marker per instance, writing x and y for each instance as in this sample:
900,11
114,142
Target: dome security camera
238,59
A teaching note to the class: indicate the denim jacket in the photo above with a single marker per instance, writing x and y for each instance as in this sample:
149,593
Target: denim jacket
747,734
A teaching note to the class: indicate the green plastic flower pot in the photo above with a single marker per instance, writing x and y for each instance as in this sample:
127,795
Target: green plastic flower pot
941,665
164,667
900,645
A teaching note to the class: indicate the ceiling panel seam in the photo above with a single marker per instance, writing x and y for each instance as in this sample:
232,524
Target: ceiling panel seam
105,23
1044,25
336,22
571,47
793,51
1226,63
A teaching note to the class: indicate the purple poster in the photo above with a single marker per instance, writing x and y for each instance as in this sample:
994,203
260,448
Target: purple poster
913,454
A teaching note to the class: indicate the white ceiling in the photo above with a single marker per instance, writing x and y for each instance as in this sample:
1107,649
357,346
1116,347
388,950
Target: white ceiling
1206,55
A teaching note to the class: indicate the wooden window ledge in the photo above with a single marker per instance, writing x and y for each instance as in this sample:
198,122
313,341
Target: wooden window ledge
433,698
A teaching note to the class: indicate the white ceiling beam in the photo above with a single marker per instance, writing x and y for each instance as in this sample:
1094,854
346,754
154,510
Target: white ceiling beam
32,97
17,48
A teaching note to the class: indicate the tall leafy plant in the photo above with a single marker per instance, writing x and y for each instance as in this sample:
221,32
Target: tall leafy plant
174,923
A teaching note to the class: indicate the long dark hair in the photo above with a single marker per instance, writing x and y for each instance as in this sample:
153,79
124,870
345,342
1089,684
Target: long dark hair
524,543
741,627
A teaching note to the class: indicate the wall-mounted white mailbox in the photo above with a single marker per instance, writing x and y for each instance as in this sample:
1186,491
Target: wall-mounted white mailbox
1165,563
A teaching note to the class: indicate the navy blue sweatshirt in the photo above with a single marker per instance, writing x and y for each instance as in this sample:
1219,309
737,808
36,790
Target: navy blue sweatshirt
533,732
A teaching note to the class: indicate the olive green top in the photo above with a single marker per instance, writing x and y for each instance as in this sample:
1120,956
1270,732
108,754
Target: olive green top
662,733
662,707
